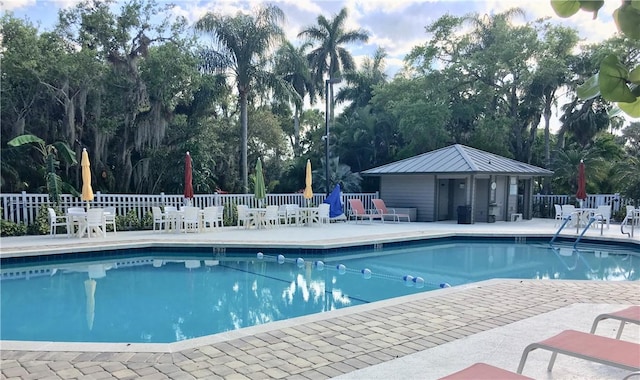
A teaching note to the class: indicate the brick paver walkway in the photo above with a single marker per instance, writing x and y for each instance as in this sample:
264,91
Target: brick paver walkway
336,345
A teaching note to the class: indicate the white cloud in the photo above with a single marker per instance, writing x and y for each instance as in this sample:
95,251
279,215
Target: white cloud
11,5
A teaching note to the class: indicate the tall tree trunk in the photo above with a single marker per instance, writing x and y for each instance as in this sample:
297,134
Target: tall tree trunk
244,125
547,140
296,132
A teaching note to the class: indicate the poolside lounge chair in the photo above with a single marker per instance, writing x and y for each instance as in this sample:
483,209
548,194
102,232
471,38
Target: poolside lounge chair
595,348
628,315
482,371
382,209
357,211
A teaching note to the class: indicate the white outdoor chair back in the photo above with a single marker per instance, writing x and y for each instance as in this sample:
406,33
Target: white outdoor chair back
603,214
271,217
323,213
243,216
158,218
558,213
96,225
110,217
55,221
191,219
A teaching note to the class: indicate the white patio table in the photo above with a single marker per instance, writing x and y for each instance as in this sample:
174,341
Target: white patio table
309,215
257,217
78,216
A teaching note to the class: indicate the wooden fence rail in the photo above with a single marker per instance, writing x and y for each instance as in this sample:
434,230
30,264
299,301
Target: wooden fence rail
24,207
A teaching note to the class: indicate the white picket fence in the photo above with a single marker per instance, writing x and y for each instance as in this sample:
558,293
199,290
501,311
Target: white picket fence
24,207
544,203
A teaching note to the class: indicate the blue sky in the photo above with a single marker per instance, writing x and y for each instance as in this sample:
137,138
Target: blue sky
395,25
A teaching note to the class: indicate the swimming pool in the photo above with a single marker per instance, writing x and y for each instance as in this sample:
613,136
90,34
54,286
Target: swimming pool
169,296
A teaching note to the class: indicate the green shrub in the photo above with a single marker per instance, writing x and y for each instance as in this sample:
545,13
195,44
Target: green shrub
128,222
41,225
8,228
146,223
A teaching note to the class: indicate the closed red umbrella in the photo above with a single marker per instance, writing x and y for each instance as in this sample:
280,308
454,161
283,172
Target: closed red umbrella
582,183
188,177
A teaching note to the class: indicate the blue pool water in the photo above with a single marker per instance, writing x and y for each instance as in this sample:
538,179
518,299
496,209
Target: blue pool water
162,297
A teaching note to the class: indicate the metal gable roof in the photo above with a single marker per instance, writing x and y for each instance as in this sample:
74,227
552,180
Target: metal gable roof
458,159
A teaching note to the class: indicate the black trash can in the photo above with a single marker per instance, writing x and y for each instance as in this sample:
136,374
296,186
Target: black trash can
464,214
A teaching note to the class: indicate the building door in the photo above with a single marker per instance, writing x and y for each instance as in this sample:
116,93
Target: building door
443,200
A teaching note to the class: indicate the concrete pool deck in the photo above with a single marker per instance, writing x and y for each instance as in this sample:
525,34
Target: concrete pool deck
422,336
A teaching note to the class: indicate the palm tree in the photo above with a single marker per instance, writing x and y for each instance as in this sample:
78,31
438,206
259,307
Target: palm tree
244,43
292,65
360,83
330,57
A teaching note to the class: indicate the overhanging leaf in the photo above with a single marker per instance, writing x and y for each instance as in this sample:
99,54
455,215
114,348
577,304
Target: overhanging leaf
25,139
634,75
612,80
565,8
591,6
631,109
589,89
627,18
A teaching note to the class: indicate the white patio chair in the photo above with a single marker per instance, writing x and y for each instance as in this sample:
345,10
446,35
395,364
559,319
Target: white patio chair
220,216
323,213
212,218
293,213
73,218
243,216
558,216
56,221
158,218
603,215
569,211
271,217
191,219
95,224
282,214
110,217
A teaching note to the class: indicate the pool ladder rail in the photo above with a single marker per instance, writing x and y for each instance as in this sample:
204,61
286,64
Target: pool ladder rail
632,219
566,220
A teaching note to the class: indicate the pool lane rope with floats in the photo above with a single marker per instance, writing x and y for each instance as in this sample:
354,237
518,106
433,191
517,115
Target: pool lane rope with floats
366,273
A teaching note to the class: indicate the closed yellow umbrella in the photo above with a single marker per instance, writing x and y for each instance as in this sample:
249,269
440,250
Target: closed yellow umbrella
87,191
308,190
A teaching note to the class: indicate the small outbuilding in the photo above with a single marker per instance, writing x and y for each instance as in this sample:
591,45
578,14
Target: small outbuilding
459,183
